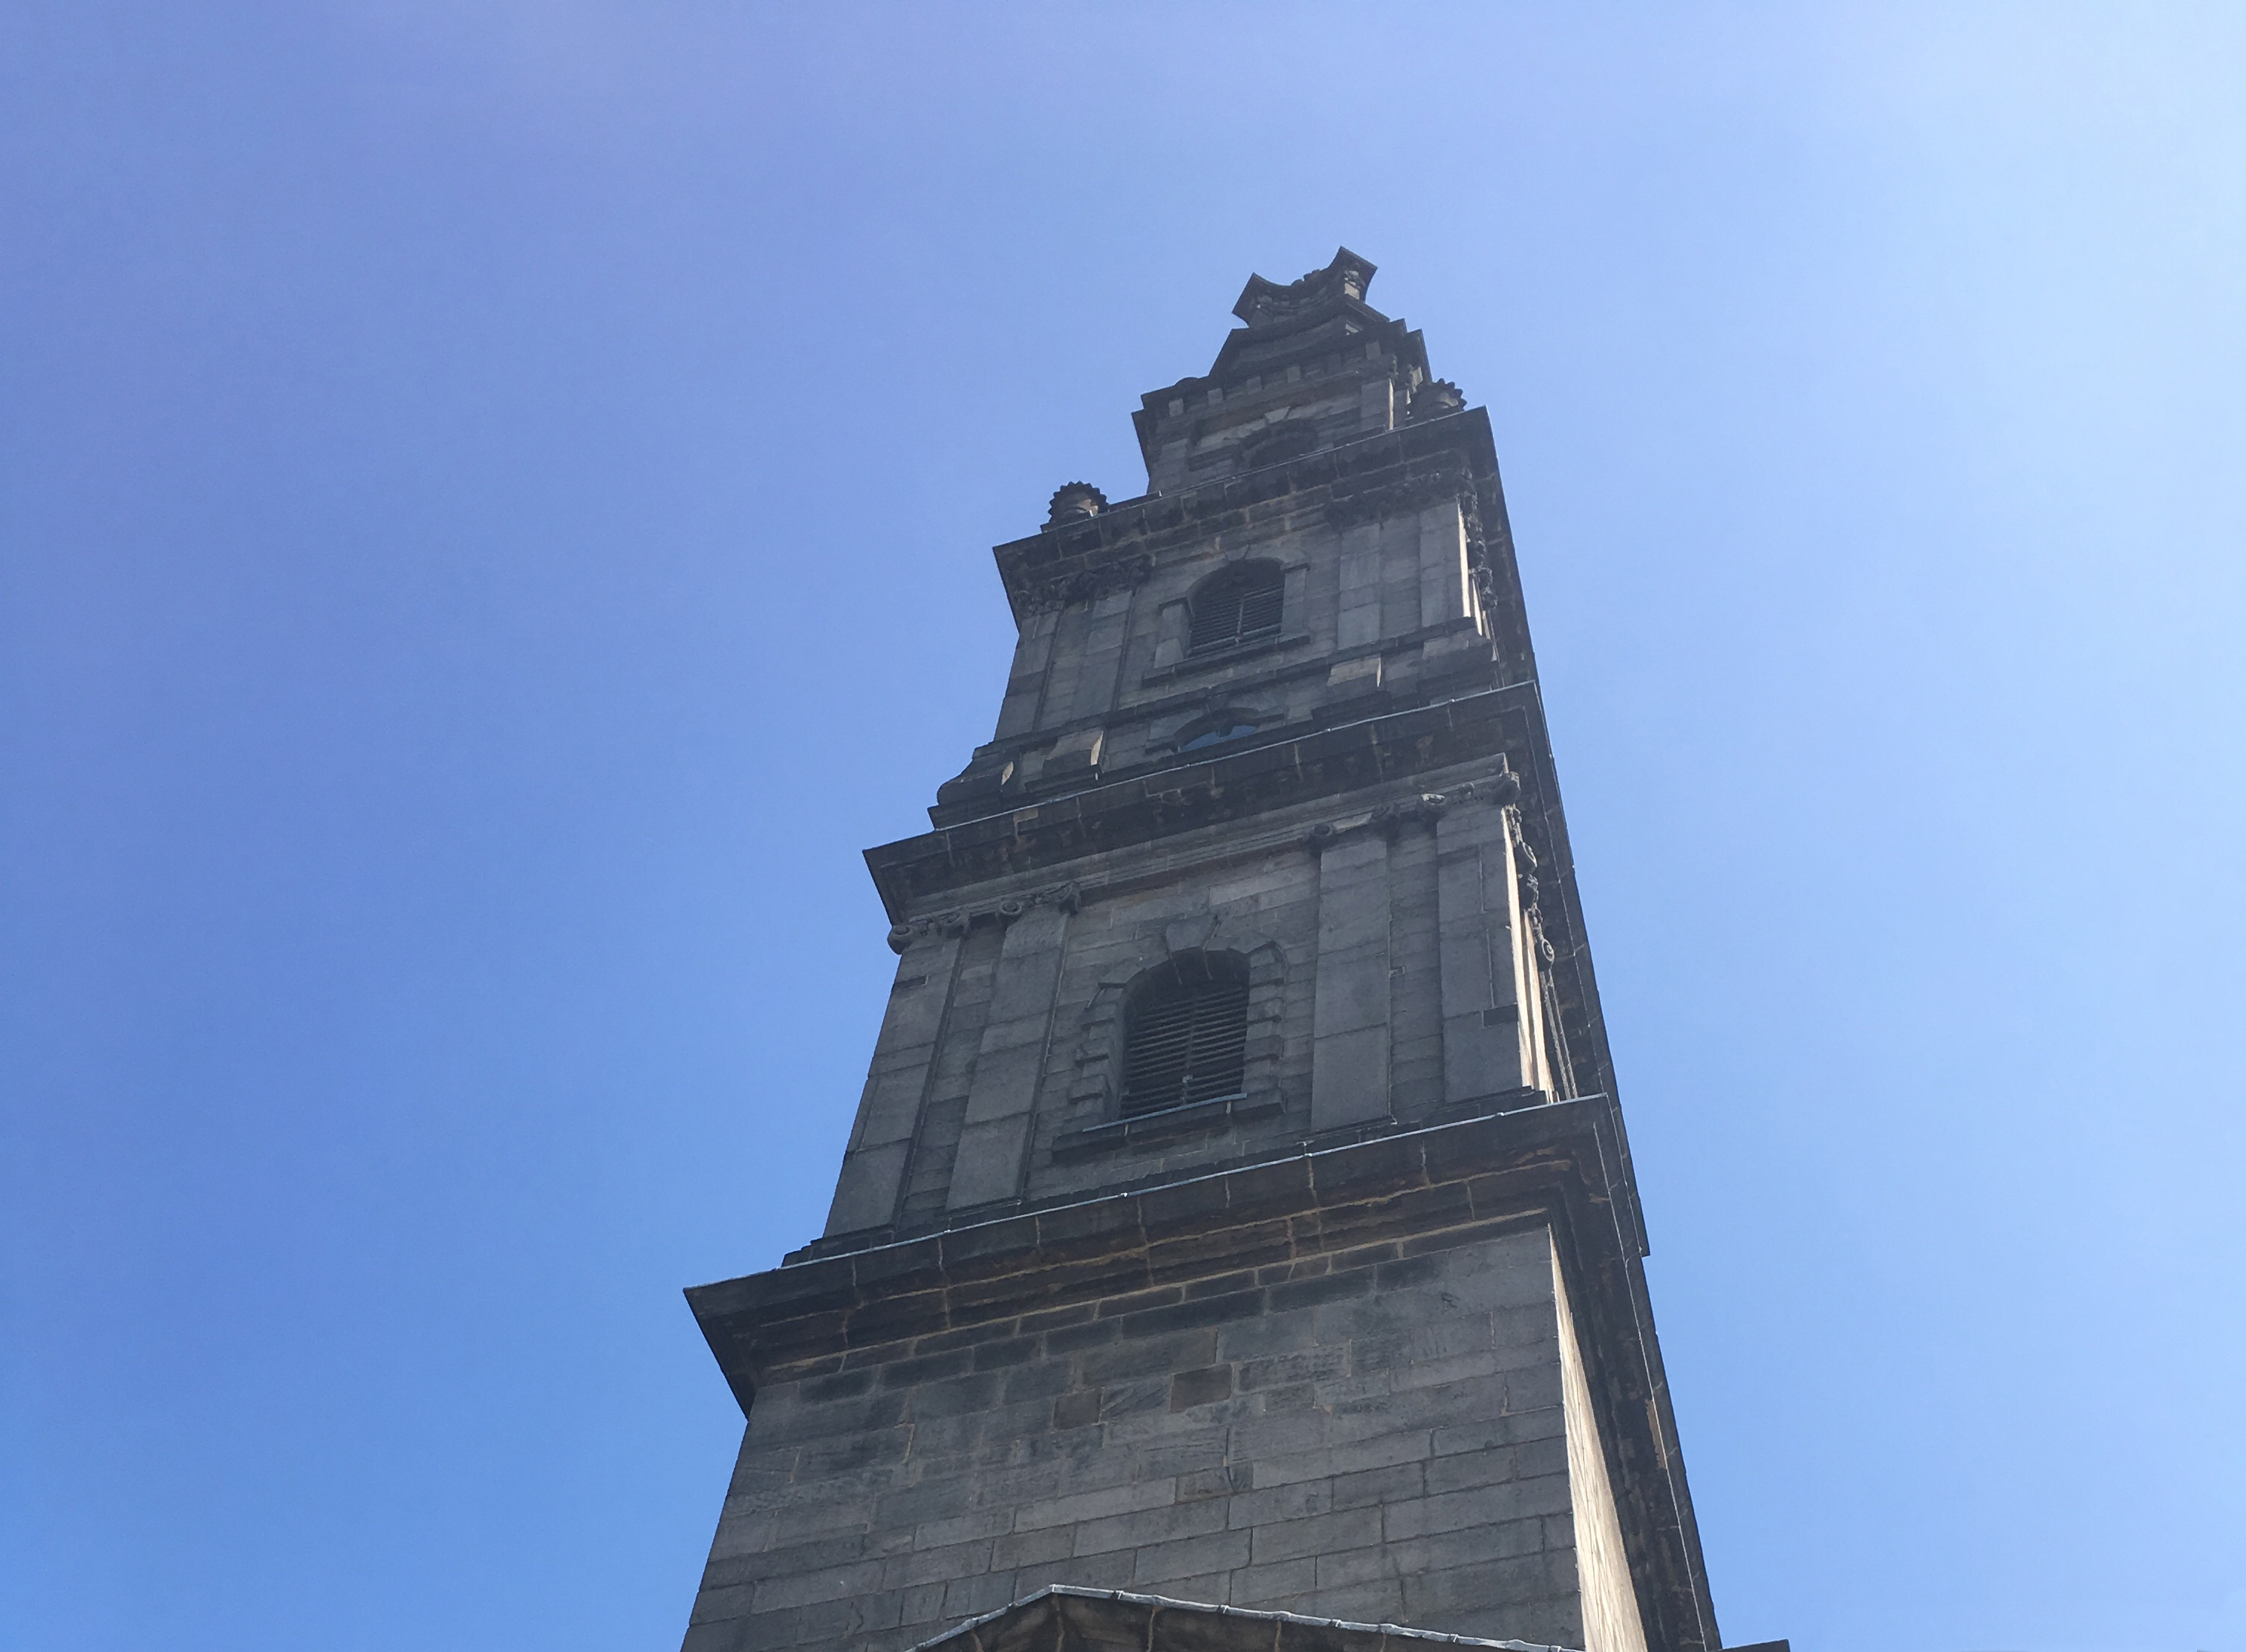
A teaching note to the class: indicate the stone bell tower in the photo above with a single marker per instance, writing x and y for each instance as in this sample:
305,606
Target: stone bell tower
1237,1243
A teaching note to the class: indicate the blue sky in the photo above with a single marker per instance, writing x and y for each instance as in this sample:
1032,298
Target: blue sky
494,510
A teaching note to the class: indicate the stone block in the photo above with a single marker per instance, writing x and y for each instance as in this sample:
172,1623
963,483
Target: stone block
1191,1568
1316,1534
1080,1506
989,1166
1268,1586
1349,1078
1149,1526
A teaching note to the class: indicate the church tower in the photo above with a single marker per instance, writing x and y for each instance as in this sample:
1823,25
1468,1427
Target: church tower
1237,1244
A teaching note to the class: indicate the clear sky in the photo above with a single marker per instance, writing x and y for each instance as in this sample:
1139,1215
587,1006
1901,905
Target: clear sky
494,511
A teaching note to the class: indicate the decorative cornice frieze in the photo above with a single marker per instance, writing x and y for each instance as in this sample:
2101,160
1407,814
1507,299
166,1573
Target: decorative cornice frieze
1083,584
1402,496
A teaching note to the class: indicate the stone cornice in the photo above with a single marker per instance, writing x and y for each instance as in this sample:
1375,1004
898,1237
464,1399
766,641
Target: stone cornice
1182,798
803,1318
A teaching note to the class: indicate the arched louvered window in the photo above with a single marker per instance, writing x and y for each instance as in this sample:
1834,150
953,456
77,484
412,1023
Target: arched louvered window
1237,607
1185,1032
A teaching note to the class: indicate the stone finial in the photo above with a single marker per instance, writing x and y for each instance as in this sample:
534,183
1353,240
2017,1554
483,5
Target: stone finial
1074,502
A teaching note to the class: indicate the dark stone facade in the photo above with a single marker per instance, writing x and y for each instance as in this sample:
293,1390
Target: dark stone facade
1365,1340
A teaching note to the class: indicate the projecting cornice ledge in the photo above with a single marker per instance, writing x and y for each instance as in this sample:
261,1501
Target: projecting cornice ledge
1053,830
1373,1205
1556,1163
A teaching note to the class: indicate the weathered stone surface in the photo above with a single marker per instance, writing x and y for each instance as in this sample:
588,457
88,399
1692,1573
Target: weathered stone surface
1366,1358
1355,1330
1187,1443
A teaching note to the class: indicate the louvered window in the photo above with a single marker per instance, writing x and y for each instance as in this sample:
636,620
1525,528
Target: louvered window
1186,1033
1238,607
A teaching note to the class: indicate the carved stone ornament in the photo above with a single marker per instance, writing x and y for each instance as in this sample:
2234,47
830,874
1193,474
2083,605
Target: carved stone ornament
1436,398
1404,496
1532,886
1082,585
1075,502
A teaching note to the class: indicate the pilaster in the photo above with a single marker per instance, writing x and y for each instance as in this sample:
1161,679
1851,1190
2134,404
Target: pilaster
1011,1060
1349,1063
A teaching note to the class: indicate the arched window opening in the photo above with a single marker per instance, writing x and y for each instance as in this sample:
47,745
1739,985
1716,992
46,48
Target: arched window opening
1185,1033
1240,606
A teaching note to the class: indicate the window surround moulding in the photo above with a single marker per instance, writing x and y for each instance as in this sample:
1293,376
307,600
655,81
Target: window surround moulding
1101,1049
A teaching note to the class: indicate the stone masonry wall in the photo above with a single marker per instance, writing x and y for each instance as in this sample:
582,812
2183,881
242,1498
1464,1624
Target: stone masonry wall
1366,1435
1391,982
